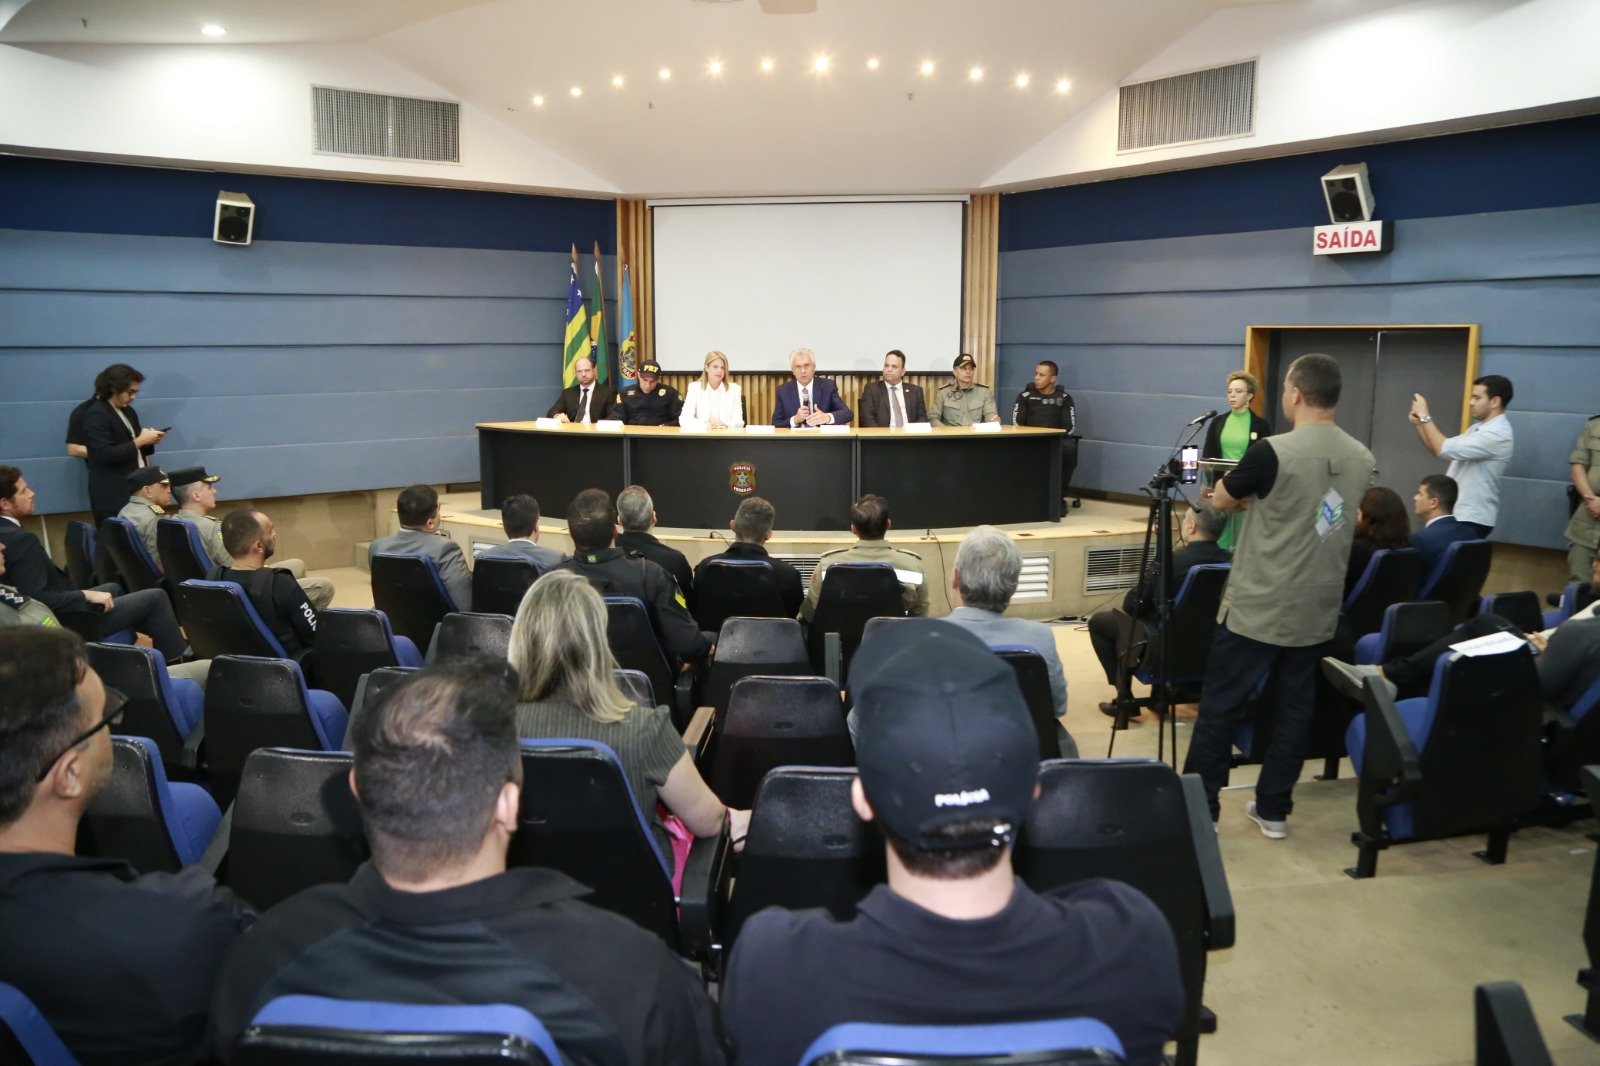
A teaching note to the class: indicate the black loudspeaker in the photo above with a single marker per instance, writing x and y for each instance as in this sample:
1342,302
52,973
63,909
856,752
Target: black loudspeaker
236,219
1348,193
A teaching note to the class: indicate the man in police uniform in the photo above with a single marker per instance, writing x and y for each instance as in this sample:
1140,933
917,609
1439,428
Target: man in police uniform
651,402
592,525
1583,532
869,521
962,403
152,495
1043,404
196,494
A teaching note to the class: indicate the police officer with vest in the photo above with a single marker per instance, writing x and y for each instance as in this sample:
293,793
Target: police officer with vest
1043,404
1583,531
652,402
962,402
152,495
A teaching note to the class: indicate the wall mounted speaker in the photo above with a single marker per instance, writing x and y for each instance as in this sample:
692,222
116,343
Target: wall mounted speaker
236,219
1349,194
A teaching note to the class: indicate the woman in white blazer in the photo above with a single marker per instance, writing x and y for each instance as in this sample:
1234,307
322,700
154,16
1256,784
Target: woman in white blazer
713,401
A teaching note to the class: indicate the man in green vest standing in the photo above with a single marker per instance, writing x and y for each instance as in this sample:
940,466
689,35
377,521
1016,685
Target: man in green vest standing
1299,492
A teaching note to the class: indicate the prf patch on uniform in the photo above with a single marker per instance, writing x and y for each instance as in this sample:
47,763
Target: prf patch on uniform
1330,513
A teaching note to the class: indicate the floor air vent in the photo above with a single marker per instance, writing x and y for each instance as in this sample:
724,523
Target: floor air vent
1204,105
1109,569
385,127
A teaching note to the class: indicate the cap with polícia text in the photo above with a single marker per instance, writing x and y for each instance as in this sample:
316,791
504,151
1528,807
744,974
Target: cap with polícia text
149,475
944,736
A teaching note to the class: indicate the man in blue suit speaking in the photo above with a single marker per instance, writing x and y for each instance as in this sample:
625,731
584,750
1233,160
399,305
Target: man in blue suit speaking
808,400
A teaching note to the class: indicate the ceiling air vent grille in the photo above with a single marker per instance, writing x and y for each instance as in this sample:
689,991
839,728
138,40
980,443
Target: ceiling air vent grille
1109,569
385,127
1204,105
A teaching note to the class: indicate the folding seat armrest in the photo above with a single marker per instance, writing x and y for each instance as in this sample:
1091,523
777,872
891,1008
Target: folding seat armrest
190,759
684,684
1208,856
833,658
1391,756
697,737
217,850
706,876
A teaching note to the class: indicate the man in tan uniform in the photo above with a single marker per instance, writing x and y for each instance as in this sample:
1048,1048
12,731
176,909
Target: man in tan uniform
869,521
963,402
1583,532
152,495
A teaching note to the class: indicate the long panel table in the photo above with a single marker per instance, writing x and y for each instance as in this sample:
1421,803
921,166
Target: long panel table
949,477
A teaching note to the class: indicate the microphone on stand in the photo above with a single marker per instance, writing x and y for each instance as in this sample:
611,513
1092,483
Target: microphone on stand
1205,417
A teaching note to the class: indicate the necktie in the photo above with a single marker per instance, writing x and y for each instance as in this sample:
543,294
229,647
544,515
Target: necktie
583,407
897,415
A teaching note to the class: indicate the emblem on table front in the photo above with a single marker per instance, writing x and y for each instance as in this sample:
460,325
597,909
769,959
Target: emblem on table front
742,478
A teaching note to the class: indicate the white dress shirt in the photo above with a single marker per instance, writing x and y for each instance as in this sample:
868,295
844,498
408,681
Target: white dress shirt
1478,460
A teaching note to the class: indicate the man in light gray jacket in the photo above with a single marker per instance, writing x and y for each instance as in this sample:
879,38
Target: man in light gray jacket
418,508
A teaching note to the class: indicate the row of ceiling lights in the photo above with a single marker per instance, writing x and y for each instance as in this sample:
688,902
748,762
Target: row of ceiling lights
821,64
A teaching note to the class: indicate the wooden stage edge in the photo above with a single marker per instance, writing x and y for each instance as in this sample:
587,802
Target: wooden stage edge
1057,557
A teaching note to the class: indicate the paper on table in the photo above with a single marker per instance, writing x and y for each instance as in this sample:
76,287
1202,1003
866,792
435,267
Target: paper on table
609,425
986,427
547,423
918,427
833,428
759,428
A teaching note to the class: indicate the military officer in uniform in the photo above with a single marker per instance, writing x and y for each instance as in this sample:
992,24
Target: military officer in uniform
196,494
869,521
961,402
651,402
1583,531
152,495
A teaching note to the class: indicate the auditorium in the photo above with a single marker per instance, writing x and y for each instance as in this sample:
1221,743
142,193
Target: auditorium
800,531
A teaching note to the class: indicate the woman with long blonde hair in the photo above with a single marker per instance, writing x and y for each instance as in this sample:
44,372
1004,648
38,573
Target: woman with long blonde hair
713,402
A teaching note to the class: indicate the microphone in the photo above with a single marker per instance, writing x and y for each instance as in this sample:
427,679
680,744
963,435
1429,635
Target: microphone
1208,415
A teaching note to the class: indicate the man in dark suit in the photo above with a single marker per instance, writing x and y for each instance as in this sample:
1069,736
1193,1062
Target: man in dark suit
807,400
1435,504
586,401
752,527
890,401
90,613
418,510
519,517
117,444
636,513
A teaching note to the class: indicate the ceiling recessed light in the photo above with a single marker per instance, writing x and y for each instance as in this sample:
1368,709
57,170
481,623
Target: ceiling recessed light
211,29
767,65
1063,85
820,64
665,73
976,73
927,66
714,67
576,90
1022,81
538,101
616,81
872,64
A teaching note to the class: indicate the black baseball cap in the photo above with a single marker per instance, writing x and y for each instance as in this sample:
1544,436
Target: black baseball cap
148,475
963,360
944,735
649,368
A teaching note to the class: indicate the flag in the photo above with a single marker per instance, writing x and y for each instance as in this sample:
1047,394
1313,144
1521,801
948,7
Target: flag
627,339
576,345
597,323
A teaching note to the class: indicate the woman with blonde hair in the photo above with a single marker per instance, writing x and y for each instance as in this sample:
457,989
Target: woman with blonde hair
1231,433
713,402
568,688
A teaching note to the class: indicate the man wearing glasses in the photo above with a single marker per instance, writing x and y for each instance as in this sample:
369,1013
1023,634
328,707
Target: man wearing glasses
120,965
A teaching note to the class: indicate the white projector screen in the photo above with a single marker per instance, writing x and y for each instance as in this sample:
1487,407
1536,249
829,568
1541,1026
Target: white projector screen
849,280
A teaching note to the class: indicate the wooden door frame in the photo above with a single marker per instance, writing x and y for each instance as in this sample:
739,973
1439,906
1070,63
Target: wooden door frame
1258,347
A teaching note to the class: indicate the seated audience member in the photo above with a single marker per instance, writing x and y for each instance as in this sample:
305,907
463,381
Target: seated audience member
418,510
115,442
196,494
982,582
891,401
713,402
91,613
807,400
1381,524
752,528
1434,503
519,517
122,966
947,763
870,522
152,495
636,513
963,402
652,402
586,400
1122,639
277,596
569,688
436,917
592,523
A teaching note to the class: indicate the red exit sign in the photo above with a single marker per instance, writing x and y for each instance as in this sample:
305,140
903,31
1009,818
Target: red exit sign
1346,237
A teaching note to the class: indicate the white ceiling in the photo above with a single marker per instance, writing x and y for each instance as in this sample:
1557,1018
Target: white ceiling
852,130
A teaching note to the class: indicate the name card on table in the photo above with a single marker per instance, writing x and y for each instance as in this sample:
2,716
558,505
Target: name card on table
986,427
918,427
833,428
547,423
758,428
608,425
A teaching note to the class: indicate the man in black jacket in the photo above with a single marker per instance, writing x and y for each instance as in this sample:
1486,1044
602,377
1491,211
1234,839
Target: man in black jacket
752,526
250,540
636,513
117,444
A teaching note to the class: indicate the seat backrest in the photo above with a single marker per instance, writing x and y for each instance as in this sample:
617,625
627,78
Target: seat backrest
127,550
219,619
252,703
1458,577
1033,678
1126,820
1193,621
851,593
633,641
579,816
183,556
1507,1034
1521,609
1410,627
132,817
25,1036
636,686
1481,755
772,722
498,585
476,635
726,588
80,553
322,1031
350,644
1063,1042
295,825
135,671
409,590
805,848
1392,576
371,687
748,646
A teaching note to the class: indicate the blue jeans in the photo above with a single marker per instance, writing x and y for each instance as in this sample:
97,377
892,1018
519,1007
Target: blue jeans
1236,666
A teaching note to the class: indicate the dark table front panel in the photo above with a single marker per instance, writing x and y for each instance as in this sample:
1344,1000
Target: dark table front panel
945,480
550,467
808,478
